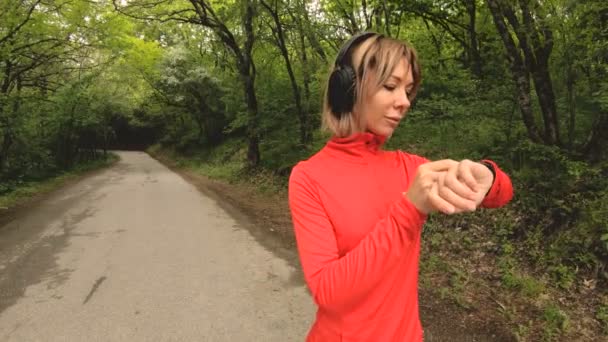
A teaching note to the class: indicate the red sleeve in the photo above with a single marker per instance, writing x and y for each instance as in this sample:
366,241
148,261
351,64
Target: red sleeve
501,191
337,282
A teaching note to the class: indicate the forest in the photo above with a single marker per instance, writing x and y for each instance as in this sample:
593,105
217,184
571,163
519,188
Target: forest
235,87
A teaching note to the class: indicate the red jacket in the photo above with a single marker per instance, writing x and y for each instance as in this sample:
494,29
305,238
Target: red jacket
358,238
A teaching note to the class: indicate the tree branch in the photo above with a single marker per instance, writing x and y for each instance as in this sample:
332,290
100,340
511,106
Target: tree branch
16,29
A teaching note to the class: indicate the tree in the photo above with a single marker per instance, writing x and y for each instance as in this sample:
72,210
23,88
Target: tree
187,84
527,31
458,19
204,13
280,40
528,41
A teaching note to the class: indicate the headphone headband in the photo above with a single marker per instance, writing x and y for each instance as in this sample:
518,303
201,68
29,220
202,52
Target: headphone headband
353,41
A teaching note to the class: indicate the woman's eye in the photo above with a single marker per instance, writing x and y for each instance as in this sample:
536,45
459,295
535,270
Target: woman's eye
389,87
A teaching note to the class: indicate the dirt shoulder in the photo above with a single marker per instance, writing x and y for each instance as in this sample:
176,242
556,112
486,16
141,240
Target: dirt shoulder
269,222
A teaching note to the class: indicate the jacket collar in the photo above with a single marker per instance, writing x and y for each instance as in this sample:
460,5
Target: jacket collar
358,147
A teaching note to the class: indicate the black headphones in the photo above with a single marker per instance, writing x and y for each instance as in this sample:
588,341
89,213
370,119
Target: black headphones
341,90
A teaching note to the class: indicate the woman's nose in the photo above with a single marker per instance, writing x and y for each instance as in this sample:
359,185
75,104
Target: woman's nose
402,100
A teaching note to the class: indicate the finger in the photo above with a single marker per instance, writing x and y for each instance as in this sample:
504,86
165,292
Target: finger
447,193
452,181
440,165
439,203
466,175
433,176
426,180
459,202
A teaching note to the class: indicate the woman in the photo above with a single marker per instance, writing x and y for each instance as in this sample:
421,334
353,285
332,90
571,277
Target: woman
358,210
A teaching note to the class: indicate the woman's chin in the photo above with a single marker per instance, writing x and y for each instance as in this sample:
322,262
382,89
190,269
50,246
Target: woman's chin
383,131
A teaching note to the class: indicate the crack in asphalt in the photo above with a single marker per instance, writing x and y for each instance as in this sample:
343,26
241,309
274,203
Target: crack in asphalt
95,287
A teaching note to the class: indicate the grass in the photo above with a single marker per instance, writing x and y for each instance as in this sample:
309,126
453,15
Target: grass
26,190
526,285
556,320
470,261
225,163
602,316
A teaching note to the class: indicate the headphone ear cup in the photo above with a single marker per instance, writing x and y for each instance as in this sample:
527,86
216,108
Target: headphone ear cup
341,90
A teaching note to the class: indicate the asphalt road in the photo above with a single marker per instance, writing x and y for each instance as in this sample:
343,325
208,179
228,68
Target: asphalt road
135,253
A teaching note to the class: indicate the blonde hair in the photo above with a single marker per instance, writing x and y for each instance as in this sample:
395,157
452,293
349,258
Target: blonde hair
374,61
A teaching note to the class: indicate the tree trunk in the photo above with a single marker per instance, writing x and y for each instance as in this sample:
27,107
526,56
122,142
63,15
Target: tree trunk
311,35
520,72
570,80
349,15
306,81
5,125
535,60
7,142
248,74
368,23
387,17
474,54
9,137
244,62
305,70
436,44
546,99
305,135
199,124
253,151
201,114
597,142
68,149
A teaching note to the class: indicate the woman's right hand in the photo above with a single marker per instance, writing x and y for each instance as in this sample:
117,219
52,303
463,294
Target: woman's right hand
444,186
